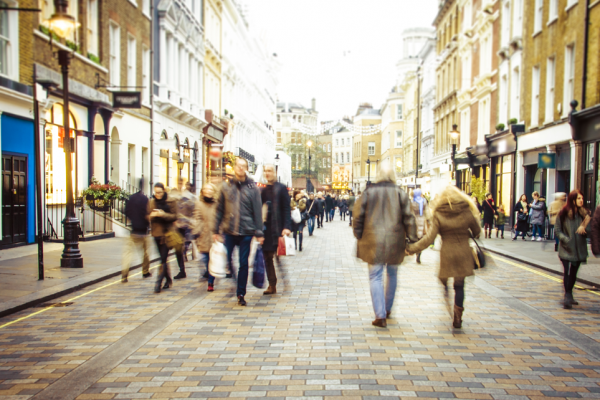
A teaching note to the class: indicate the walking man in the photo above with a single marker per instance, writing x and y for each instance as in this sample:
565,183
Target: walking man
321,209
278,223
351,200
136,209
312,213
329,208
239,217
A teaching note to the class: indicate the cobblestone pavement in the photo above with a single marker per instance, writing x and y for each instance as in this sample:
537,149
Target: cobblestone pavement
312,341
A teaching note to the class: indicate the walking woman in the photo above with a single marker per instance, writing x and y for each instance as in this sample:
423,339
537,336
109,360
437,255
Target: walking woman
572,227
299,201
489,214
454,214
162,215
204,215
538,216
420,210
522,211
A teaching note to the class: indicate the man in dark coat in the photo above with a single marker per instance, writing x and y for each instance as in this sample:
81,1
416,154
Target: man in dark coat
136,209
239,217
329,205
489,213
278,222
313,208
320,203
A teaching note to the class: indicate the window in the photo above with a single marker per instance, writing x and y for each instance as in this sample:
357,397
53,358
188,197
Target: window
337,158
146,7
278,137
483,120
337,142
539,12
146,82
465,129
299,118
329,147
115,56
506,24
515,94
503,99
371,148
535,96
468,16
571,3
399,111
130,150
131,61
569,77
347,157
517,18
342,158
466,72
92,27
550,78
398,139
278,118
553,12
485,61
5,43
342,141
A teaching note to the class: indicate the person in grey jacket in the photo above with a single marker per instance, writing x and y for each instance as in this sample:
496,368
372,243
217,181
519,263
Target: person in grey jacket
239,217
538,216
572,227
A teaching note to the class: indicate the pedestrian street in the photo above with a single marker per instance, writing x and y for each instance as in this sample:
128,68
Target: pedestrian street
312,340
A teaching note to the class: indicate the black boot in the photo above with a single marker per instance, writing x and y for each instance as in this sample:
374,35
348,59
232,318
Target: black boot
300,239
568,303
419,258
555,246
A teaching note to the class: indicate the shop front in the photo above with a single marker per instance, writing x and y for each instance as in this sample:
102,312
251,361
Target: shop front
586,130
342,178
214,133
501,150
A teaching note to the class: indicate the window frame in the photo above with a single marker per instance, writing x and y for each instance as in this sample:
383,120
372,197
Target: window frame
535,96
396,145
93,28
369,151
550,89
569,79
131,61
114,53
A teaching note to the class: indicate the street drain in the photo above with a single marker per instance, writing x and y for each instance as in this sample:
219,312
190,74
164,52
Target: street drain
55,304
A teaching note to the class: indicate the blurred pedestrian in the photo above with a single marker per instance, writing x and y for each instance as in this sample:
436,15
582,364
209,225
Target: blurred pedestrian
278,223
522,213
239,217
572,227
313,211
186,202
489,215
343,207
163,212
351,200
299,201
420,210
204,218
559,202
500,221
538,216
382,223
136,210
321,209
454,217
329,206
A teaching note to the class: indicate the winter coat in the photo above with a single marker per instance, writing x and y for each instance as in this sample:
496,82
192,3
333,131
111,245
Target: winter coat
538,212
382,221
279,216
239,211
159,226
501,220
554,209
351,200
522,225
572,246
329,203
420,220
204,217
136,209
595,227
454,215
314,209
343,206
321,204
301,205
489,210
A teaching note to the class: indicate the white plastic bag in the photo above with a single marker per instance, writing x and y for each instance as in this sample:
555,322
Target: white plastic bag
296,216
253,247
290,247
217,266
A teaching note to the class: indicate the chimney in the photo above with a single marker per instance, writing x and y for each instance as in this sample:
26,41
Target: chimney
314,104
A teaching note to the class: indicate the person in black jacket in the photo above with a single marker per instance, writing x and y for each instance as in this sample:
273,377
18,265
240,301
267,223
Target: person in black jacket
313,208
278,222
239,217
136,209
489,214
329,206
321,210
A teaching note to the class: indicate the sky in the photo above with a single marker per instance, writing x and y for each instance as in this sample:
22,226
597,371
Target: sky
341,52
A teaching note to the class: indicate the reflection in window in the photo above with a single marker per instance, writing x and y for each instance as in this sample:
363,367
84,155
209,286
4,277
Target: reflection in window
55,165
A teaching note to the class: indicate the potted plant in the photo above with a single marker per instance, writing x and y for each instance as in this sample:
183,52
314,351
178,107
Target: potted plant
100,196
500,127
513,121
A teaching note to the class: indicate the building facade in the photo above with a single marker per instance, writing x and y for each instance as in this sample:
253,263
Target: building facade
366,150
341,155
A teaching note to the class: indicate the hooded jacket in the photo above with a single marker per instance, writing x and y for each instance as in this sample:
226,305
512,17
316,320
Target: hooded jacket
453,215
538,212
239,210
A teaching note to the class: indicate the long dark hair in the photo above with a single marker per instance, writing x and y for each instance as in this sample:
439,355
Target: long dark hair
570,206
522,197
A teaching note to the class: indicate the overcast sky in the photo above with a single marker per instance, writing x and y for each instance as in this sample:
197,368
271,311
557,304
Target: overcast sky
341,52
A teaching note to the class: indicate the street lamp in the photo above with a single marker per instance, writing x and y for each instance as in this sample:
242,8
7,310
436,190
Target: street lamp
454,135
62,24
369,172
277,159
309,144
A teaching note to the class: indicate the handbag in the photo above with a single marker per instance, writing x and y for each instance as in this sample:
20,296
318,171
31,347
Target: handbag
522,217
281,246
290,247
258,270
478,254
174,240
296,216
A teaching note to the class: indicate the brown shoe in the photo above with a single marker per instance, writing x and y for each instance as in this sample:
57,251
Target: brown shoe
388,314
458,312
380,323
270,290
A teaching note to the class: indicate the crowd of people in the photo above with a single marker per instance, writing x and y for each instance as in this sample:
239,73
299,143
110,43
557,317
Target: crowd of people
387,222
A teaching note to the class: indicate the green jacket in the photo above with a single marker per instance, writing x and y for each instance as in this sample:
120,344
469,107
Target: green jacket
501,220
573,246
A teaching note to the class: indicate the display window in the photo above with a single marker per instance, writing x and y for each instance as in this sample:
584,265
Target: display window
55,164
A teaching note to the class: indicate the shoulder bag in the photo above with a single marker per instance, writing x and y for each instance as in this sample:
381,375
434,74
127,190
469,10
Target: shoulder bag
479,256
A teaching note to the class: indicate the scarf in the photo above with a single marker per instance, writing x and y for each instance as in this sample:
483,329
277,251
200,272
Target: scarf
419,199
524,204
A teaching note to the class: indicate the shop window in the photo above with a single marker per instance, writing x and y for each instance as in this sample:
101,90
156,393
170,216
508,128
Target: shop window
504,182
55,165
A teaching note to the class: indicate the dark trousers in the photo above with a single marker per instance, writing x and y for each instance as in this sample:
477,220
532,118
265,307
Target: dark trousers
350,215
270,257
205,257
320,219
331,215
570,275
327,215
163,251
179,254
459,290
298,236
244,252
311,224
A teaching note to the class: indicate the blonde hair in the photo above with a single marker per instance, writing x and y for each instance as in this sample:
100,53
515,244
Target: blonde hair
386,174
535,194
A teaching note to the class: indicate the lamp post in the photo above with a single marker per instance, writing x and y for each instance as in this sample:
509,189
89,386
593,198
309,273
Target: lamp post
62,24
309,144
368,172
277,166
454,135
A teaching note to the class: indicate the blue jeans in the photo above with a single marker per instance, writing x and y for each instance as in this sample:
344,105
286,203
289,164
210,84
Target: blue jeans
244,252
381,303
205,258
311,224
538,229
331,214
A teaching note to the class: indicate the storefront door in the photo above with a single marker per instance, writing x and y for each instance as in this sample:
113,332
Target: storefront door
14,199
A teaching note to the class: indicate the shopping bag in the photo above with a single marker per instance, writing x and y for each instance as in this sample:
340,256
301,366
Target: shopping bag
258,271
290,247
217,265
253,247
281,246
296,216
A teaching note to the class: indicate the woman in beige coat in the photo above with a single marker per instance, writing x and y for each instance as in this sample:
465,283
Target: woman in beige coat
455,218
204,214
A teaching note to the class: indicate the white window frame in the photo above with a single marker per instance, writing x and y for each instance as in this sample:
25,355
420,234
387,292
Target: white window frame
538,16
371,148
12,43
550,89
483,119
398,143
342,157
466,71
146,8
399,112
146,81
569,83
115,53
570,4
503,112
515,93
468,16
517,23
93,39
535,96
506,18
552,11
131,61
134,2
465,129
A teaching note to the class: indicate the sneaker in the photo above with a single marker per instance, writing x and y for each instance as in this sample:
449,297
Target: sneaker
180,275
533,238
211,288
241,301
539,239
148,275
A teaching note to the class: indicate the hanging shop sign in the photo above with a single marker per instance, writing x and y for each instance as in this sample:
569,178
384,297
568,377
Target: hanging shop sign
127,99
547,160
341,186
